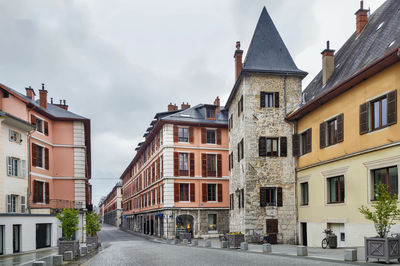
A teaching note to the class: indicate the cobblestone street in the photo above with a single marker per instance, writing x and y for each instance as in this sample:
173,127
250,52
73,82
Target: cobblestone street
127,249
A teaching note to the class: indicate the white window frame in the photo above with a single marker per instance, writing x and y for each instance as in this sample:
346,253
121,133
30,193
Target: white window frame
15,136
43,200
187,128
341,171
216,222
16,167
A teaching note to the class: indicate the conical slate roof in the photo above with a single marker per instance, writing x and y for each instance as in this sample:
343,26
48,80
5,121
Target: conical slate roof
267,51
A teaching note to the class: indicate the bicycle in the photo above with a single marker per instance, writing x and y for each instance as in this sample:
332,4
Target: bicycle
325,241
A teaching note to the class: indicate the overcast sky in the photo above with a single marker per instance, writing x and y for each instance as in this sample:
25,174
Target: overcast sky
119,62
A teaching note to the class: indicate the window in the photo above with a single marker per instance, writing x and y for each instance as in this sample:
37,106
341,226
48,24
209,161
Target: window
304,193
305,141
271,196
210,136
231,161
272,146
212,222
332,131
269,99
240,150
240,106
41,192
39,125
183,134
210,113
40,156
1,239
388,177
43,235
14,136
183,192
183,164
12,203
336,189
211,165
211,192
230,122
379,113
16,167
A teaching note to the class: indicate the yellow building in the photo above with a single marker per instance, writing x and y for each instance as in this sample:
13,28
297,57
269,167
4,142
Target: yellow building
347,135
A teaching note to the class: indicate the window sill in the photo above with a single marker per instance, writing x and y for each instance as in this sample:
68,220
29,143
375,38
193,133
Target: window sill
330,146
304,205
211,143
377,130
18,177
211,201
184,201
335,204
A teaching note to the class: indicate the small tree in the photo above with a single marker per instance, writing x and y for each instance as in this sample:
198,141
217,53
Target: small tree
69,222
92,223
385,210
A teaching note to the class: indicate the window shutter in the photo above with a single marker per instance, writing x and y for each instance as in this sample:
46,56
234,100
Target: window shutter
33,120
219,136
238,108
191,137
283,146
219,165
233,201
9,166
203,135
364,124
296,145
162,166
10,135
230,161
242,196
154,172
158,194
23,204
204,192
176,164
8,203
277,99
176,192
175,133
34,155
340,128
279,197
309,140
192,164
220,193
23,168
35,191
262,99
242,149
192,193
262,146
238,149
322,135
46,128
46,158
392,108
47,192
204,165
263,197
241,104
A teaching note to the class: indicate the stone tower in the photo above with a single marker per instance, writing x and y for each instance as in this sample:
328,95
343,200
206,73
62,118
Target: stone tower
262,167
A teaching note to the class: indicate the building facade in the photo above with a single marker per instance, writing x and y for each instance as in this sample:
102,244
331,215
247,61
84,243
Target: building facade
179,179
46,168
262,176
347,131
111,206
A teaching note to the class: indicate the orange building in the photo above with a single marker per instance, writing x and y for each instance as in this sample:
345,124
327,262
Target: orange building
179,179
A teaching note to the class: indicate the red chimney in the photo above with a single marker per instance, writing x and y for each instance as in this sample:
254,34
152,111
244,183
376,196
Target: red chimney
238,60
172,107
328,63
43,97
30,93
217,103
62,104
185,106
361,18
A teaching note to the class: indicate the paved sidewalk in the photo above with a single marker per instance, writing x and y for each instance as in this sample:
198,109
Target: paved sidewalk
27,257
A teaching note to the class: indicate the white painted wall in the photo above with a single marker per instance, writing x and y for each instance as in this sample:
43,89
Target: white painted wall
79,164
28,230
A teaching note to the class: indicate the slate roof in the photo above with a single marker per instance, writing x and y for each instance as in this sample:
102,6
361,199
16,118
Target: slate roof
197,114
267,51
52,109
379,37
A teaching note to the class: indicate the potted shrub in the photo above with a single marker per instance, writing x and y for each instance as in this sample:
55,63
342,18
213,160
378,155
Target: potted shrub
69,224
383,214
234,239
92,227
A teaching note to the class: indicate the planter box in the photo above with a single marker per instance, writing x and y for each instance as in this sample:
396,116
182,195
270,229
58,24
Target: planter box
72,245
187,236
235,240
92,240
385,249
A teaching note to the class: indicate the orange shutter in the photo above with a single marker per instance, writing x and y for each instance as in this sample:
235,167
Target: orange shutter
192,164
176,164
219,165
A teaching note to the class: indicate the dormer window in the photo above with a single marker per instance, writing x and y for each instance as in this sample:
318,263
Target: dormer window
210,113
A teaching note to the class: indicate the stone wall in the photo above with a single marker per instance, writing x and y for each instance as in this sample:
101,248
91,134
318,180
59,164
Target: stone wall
254,171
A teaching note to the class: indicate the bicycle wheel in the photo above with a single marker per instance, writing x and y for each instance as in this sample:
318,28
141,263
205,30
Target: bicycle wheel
324,243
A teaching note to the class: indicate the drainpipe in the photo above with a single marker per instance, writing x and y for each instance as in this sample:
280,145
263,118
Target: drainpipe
28,140
284,91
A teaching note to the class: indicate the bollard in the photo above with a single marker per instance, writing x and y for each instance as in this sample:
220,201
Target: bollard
89,248
224,244
83,251
47,260
57,260
207,244
350,255
39,263
267,248
302,251
185,242
244,246
68,256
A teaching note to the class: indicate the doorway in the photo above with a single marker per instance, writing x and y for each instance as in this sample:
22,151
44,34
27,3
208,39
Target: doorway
303,230
43,235
16,238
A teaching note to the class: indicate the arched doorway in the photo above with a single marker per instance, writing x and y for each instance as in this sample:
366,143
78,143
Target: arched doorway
184,224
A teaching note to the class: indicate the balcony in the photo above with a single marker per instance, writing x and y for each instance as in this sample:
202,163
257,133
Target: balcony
56,204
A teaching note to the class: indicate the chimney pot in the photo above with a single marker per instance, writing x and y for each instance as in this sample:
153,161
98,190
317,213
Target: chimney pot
30,93
185,105
43,97
238,60
172,107
217,103
328,63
